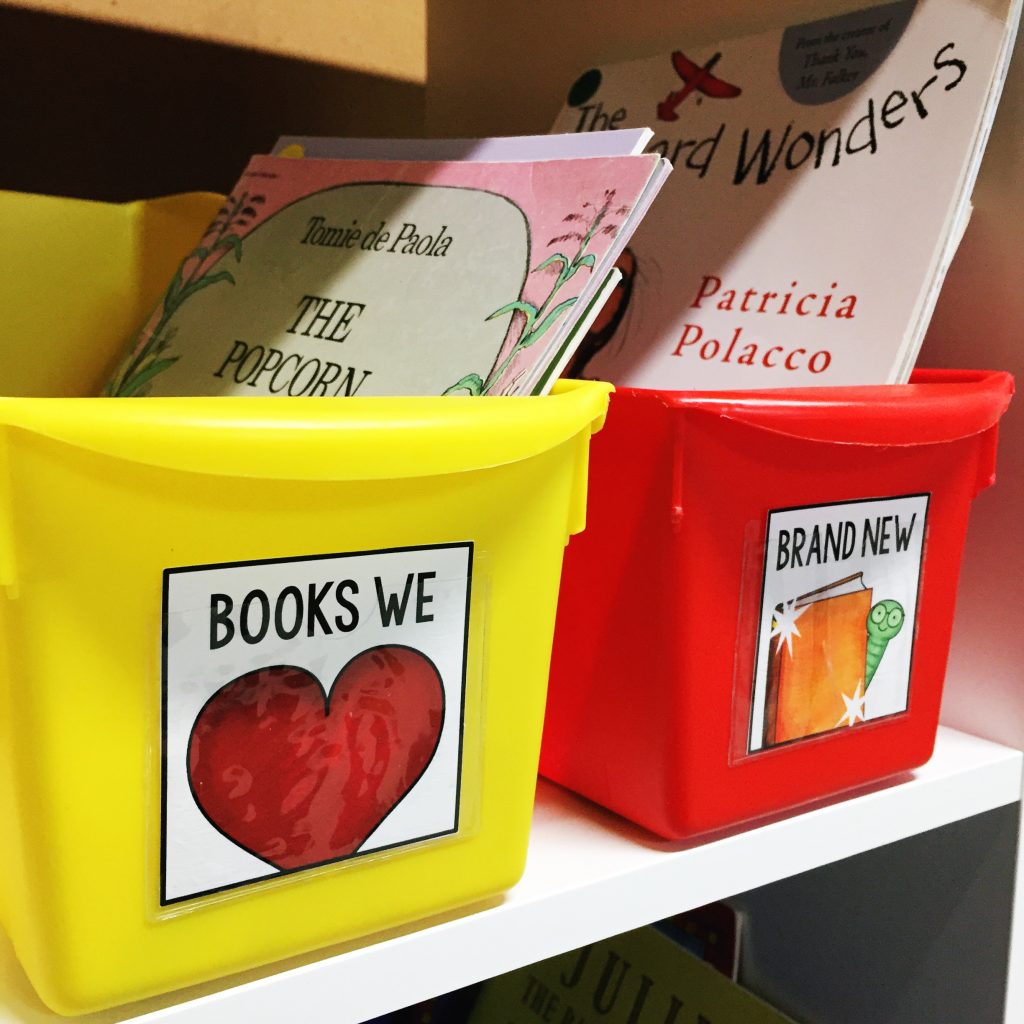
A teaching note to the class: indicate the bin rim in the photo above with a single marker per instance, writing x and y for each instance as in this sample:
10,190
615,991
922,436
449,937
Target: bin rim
337,439
936,406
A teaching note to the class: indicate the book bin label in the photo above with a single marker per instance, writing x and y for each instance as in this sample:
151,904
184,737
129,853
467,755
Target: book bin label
312,711
837,616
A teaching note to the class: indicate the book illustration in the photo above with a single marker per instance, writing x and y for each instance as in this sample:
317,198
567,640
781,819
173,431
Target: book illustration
816,666
828,645
532,322
390,278
614,328
884,622
296,776
608,320
771,281
199,269
697,79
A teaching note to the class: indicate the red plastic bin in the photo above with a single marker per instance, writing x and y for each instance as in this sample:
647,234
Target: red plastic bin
758,614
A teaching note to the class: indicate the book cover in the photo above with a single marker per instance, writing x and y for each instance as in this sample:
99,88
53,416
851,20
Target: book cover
831,645
836,628
641,977
822,181
361,277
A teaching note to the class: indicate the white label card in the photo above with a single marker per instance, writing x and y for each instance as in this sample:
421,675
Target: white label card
312,711
837,616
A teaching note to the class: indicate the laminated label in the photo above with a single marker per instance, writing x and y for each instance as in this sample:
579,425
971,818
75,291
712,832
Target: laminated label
312,711
837,616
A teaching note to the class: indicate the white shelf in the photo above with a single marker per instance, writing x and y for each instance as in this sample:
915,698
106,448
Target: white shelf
589,875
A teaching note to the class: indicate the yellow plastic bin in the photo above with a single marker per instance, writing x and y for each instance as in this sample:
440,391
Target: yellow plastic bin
273,670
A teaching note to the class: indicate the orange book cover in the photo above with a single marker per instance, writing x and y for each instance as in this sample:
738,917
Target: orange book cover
817,663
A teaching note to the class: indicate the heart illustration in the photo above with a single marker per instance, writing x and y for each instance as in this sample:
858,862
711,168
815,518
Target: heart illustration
297,777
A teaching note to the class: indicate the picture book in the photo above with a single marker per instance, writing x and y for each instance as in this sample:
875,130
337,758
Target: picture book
823,174
641,977
323,277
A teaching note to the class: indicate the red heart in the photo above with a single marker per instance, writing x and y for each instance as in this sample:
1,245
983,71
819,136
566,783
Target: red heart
298,779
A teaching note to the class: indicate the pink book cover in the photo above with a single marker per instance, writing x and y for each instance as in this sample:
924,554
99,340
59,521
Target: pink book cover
351,277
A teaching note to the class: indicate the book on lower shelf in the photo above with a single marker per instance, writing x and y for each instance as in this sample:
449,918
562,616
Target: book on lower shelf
641,977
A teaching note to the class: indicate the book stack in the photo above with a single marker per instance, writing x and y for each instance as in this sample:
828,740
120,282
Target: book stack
459,268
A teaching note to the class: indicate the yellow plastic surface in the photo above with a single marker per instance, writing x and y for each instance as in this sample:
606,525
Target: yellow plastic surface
99,496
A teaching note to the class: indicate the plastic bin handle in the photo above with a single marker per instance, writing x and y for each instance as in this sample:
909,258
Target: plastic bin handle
935,407
317,438
8,562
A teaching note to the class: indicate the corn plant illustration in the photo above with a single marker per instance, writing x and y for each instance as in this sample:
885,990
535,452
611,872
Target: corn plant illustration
198,270
535,321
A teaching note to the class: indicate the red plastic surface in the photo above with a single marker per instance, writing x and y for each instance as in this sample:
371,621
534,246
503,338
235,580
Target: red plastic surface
652,669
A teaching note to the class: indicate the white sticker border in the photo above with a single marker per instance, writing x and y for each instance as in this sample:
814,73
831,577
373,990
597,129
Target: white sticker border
751,751
285,873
